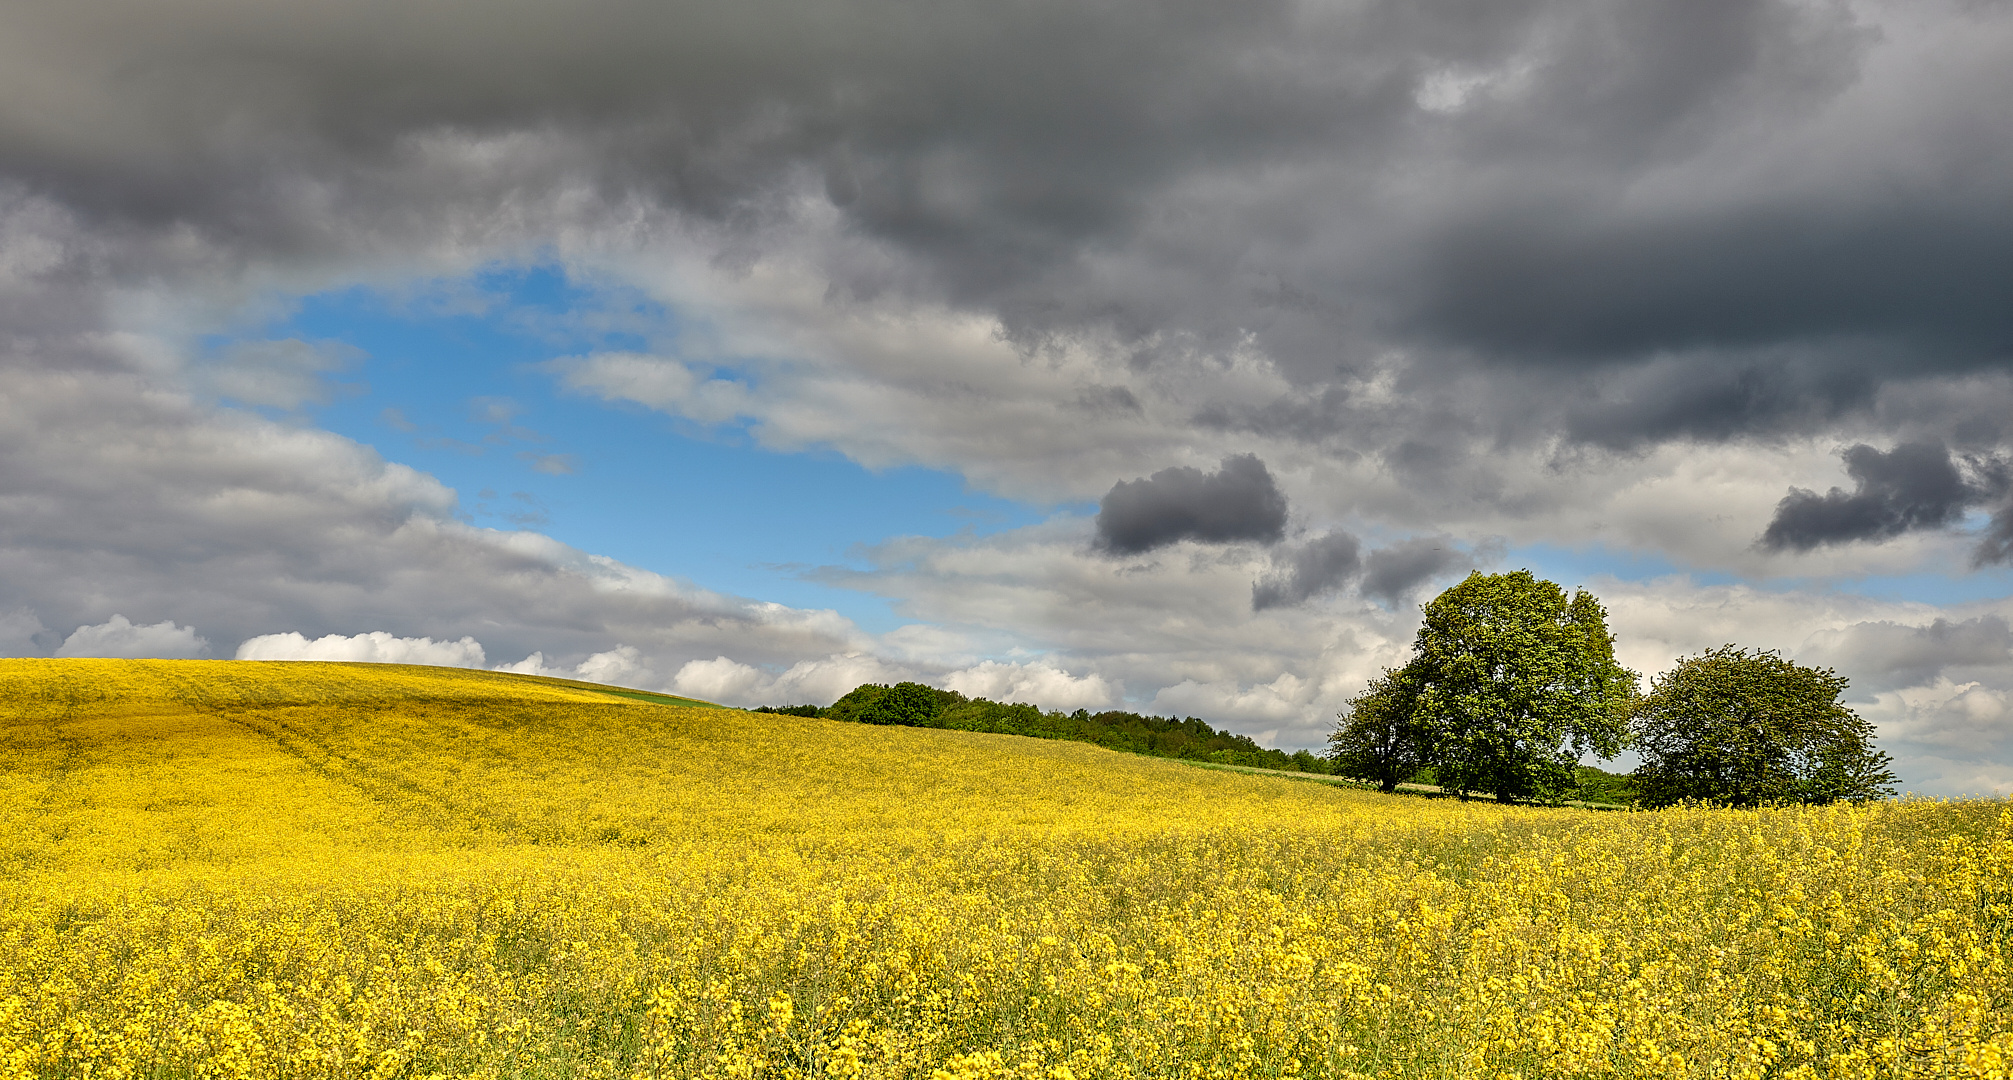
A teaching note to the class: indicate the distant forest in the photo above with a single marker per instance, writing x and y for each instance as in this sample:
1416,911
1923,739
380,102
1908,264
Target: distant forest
1190,739
911,704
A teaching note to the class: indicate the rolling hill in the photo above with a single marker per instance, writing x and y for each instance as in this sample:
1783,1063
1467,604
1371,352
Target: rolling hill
299,869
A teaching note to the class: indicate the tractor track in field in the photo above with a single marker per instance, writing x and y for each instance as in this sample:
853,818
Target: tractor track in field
70,754
385,787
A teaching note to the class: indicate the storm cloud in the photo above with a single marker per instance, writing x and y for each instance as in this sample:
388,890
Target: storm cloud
1392,574
1238,502
118,637
1911,487
1886,655
1576,190
1318,567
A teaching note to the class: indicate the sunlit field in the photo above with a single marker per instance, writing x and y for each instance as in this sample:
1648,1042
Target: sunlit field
229,869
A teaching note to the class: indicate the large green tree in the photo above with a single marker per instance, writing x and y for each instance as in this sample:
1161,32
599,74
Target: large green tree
1743,727
1516,681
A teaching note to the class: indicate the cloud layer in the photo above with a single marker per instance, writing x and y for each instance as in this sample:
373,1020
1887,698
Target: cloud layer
1759,217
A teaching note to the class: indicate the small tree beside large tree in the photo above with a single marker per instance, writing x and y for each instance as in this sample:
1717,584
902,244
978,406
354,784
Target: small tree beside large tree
1743,728
1380,737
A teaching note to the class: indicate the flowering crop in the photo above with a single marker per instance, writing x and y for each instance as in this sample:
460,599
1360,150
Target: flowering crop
315,870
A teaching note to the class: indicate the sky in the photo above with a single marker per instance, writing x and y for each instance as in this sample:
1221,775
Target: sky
1163,356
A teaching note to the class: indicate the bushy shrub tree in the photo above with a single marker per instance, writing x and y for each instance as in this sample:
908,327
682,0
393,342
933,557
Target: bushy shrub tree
1381,738
917,705
907,703
1743,728
856,701
790,710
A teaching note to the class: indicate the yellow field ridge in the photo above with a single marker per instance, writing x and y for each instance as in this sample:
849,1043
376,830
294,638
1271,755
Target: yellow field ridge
238,869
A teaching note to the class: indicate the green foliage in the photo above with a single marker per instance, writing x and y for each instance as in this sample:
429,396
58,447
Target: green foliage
1381,738
856,701
791,710
1747,728
1601,786
1509,684
908,704
916,705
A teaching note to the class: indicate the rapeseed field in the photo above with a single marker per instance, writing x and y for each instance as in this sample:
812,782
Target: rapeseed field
236,869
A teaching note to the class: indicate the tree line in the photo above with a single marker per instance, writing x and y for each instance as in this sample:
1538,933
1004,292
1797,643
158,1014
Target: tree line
911,704
1512,684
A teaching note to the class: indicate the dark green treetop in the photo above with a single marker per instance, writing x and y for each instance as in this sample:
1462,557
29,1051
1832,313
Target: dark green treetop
908,704
1744,728
1380,737
1516,682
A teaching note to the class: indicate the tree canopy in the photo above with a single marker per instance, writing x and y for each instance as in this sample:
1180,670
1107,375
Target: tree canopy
1517,682
1745,727
907,703
1510,682
1381,738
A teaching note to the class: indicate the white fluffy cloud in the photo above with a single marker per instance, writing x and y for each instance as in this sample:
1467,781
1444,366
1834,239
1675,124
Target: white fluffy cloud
623,665
823,680
376,647
1039,683
819,681
1951,737
129,496
119,637
1263,709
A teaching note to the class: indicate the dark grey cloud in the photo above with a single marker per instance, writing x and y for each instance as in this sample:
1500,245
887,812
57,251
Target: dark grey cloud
1996,546
1912,487
1238,502
1714,395
993,141
1558,284
1560,196
1888,655
1394,573
1318,567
